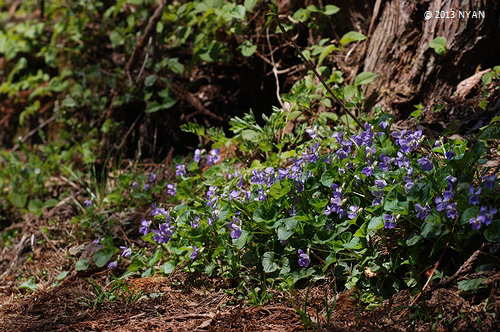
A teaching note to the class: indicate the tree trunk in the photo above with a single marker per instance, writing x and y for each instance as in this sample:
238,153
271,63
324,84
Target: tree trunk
409,72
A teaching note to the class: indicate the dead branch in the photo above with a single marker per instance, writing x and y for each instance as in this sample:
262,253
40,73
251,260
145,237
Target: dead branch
145,36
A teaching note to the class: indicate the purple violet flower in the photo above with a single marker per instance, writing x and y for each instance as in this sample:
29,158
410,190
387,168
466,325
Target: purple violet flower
384,124
152,177
488,181
390,221
144,226
312,132
304,259
171,190
146,186
368,171
426,164
381,184
422,212
353,211
474,195
180,170
135,185
194,253
213,157
451,210
197,155
112,265
126,251
87,203
449,154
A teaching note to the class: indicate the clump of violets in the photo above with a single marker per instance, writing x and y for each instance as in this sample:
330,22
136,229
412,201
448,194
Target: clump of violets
304,259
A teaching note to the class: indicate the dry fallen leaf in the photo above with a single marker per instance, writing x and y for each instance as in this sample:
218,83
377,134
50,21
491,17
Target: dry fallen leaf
466,86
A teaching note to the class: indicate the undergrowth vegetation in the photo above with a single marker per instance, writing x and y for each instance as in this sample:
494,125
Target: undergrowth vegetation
295,197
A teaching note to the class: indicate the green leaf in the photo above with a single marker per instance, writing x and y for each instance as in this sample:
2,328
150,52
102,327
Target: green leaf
102,257
242,240
62,275
325,51
29,284
82,264
247,48
471,212
50,203
268,263
175,66
115,38
18,199
364,78
376,223
287,228
470,285
331,9
280,189
150,80
352,36
431,230
490,132
168,267
438,44
327,178
492,232
249,5
35,206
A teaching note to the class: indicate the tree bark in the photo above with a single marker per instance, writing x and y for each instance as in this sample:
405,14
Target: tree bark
408,71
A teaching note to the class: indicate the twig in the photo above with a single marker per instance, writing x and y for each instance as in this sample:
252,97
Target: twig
274,68
311,67
464,268
34,131
145,36
146,58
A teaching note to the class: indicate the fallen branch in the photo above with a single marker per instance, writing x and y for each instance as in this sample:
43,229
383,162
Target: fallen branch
145,36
